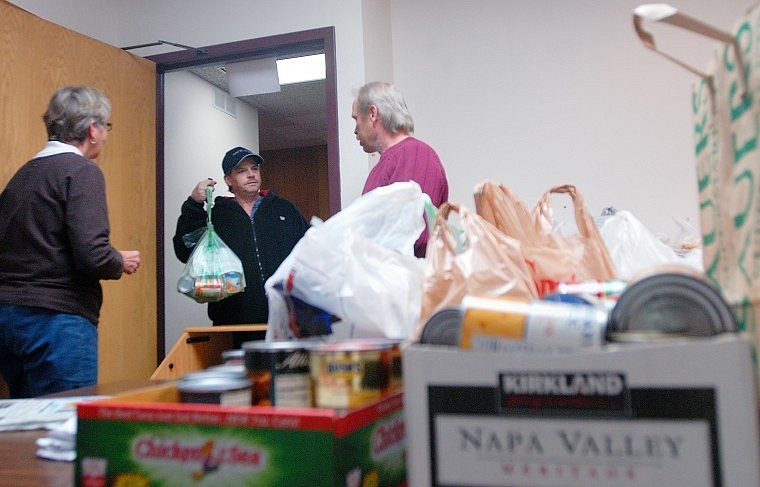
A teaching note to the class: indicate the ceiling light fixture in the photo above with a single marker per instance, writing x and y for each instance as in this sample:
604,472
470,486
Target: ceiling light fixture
301,69
266,75
253,77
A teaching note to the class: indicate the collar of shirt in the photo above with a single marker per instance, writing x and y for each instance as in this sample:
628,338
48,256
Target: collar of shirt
255,206
54,147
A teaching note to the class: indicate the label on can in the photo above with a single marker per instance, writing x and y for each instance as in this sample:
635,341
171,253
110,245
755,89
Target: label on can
504,325
208,288
233,282
350,374
396,368
280,373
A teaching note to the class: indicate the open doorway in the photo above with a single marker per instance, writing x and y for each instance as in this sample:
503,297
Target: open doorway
314,188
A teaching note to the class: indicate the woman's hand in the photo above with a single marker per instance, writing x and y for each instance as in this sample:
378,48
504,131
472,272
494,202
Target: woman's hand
130,261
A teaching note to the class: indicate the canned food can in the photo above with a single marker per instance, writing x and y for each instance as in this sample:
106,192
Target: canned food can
397,345
351,373
279,371
235,356
444,327
670,303
215,388
208,288
233,282
231,369
510,325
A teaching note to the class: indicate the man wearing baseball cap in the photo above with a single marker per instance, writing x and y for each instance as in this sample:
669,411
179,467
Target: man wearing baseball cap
259,226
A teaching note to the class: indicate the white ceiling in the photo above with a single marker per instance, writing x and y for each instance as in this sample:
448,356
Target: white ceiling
294,117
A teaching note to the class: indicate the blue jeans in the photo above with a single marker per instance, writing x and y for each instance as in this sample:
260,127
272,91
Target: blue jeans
43,351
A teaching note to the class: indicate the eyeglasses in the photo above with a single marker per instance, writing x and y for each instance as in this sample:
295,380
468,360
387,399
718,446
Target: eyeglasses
108,125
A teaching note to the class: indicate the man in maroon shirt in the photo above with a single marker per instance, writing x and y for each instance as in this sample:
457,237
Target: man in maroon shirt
384,125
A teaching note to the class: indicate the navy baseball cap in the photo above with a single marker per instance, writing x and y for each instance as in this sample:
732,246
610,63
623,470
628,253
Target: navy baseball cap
233,157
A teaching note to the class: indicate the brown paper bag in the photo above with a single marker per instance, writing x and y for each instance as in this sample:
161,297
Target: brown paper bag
488,264
552,258
726,112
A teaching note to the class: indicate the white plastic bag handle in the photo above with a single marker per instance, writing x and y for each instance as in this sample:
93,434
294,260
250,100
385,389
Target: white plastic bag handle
662,12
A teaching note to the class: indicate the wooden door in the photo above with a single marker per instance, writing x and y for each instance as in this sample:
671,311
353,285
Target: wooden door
286,170
36,58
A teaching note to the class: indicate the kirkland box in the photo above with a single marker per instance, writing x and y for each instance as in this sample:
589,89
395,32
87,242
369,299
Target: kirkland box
122,442
680,413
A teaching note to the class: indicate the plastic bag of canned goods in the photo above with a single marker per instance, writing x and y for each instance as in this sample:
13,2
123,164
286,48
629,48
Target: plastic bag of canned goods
213,271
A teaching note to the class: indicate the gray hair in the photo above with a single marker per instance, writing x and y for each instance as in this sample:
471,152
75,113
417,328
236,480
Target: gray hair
71,111
390,104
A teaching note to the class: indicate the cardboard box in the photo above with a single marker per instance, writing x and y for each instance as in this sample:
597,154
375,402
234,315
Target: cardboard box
681,413
147,438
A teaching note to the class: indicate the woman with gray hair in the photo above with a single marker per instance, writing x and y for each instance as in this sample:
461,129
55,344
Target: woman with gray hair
55,249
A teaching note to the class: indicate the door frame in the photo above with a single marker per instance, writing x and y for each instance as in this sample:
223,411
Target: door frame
277,45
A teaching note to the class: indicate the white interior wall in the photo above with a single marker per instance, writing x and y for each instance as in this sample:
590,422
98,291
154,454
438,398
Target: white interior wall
378,57
533,93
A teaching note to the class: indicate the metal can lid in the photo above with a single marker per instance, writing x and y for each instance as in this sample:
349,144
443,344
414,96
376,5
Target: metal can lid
354,345
234,369
287,355
444,327
213,383
646,336
235,354
393,342
223,371
272,346
671,303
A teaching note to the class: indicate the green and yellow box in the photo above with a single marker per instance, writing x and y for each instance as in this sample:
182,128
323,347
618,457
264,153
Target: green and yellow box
131,441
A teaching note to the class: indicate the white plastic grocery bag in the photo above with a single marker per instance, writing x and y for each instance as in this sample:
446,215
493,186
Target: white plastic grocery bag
358,266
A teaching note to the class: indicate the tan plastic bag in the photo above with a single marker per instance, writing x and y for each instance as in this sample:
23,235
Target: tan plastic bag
574,258
498,205
486,263
552,258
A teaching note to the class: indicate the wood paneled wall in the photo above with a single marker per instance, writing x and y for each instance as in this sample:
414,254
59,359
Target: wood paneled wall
299,175
37,57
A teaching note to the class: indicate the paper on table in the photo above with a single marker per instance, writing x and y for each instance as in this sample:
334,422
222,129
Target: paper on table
37,413
60,442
